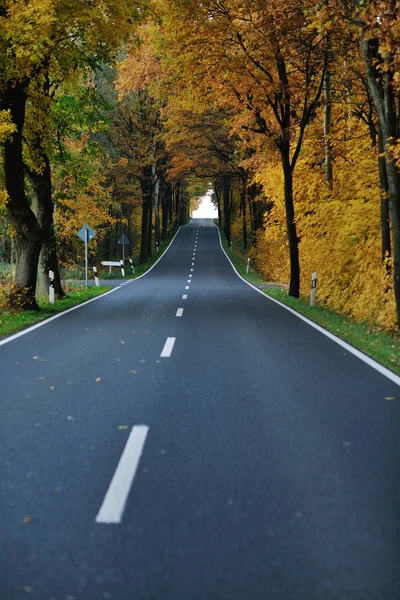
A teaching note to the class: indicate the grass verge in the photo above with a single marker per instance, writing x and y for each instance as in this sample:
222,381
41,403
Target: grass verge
78,274
378,344
14,322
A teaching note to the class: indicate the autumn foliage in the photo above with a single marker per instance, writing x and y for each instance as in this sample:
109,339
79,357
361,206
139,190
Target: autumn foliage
290,110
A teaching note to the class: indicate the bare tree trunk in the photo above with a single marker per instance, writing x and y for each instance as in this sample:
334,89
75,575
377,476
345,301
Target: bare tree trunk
327,128
381,87
156,205
384,190
226,199
244,220
147,188
294,284
27,239
42,206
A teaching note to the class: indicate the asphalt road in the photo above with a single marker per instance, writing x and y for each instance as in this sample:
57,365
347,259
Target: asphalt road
256,460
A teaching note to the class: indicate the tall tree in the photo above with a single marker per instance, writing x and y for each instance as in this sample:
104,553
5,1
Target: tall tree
35,36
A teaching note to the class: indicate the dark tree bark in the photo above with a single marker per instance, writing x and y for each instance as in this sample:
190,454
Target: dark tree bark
327,128
226,199
243,207
147,192
166,200
384,190
156,206
150,226
42,206
28,236
294,284
382,90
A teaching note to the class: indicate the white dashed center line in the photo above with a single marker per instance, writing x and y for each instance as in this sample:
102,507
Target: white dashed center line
187,287
168,346
184,297
117,494
179,312
191,269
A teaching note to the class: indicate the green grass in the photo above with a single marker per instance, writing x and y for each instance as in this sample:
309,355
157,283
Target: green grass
372,340
13,322
77,293
78,274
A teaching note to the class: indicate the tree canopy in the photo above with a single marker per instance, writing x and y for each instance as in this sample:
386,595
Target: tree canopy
118,112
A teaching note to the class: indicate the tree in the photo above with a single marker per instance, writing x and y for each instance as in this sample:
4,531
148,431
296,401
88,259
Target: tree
268,63
38,37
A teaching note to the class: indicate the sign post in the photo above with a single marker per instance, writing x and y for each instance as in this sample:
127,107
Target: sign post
86,234
248,265
123,240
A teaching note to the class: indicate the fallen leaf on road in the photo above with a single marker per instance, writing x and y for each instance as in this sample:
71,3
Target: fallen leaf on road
41,378
28,519
122,426
134,372
52,387
35,357
390,398
28,589
98,379
143,360
122,341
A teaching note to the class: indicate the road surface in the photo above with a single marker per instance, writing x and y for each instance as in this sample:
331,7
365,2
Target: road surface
185,438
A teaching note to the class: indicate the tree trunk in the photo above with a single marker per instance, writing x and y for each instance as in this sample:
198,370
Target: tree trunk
27,237
165,203
150,229
177,197
384,191
381,87
226,199
244,221
294,284
42,206
327,128
147,188
156,205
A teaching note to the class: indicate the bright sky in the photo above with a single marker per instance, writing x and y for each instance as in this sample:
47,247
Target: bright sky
206,209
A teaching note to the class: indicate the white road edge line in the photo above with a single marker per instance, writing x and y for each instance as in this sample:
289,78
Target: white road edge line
364,357
112,509
179,312
168,347
64,312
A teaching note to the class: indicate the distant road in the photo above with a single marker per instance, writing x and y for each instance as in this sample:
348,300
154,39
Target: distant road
185,438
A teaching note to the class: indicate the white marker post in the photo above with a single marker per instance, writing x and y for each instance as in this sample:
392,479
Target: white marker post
51,287
96,279
248,265
122,268
157,246
313,289
132,267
